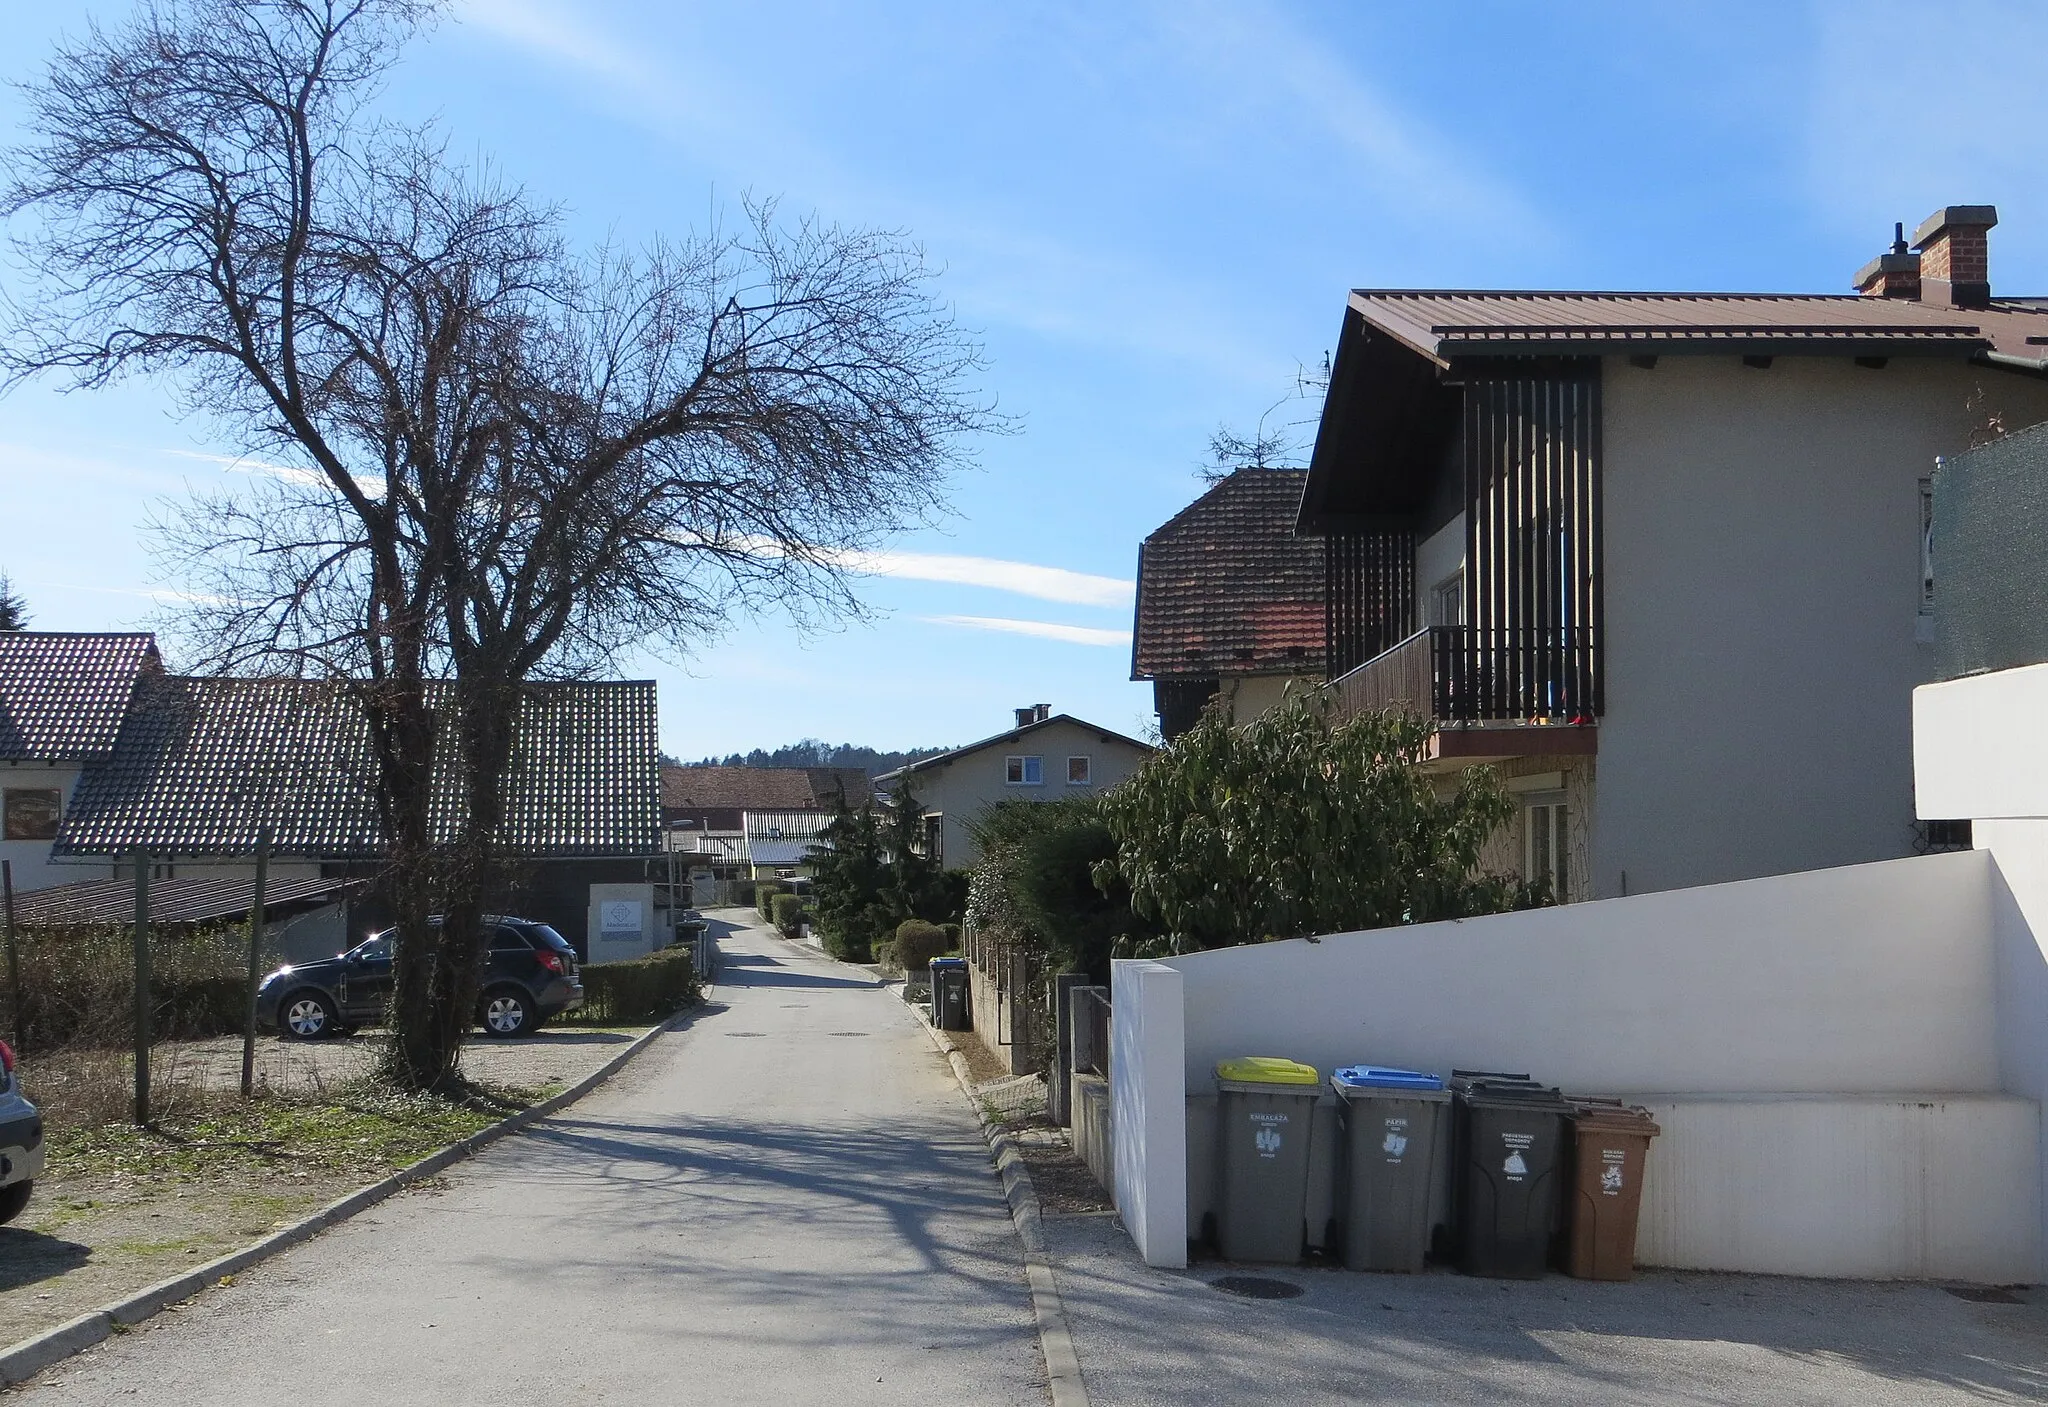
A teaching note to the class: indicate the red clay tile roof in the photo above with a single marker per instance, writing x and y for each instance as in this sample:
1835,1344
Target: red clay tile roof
1446,323
1225,587
62,695
758,788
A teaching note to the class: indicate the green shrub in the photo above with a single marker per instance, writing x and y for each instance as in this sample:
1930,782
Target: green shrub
918,942
642,990
789,915
885,954
764,898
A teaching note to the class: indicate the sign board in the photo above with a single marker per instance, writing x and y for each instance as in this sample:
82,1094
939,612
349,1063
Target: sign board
619,916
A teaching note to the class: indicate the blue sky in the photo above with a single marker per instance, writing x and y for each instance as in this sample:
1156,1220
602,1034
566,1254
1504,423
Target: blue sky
1151,213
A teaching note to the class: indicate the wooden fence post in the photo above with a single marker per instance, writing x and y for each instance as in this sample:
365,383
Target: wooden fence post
255,949
142,1002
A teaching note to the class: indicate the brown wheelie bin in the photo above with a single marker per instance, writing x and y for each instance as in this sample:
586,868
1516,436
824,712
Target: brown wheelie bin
1611,1145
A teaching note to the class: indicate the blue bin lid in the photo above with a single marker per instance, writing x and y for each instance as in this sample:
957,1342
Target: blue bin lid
949,962
1380,1077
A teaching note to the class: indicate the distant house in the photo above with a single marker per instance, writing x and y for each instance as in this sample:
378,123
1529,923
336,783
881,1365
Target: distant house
193,770
1046,756
782,844
1231,602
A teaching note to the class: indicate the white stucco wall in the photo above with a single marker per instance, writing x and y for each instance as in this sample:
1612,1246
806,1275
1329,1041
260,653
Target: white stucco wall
1870,979
30,859
1148,1117
1762,586
963,788
1251,695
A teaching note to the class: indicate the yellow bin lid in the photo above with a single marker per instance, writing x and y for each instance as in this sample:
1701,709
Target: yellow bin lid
1267,1070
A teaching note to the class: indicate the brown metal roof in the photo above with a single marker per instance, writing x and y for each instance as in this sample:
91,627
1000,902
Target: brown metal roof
62,695
1225,586
186,899
689,788
1445,323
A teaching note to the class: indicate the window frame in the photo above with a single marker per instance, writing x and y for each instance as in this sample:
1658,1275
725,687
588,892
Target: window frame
1018,767
1556,833
55,796
1087,777
1926,547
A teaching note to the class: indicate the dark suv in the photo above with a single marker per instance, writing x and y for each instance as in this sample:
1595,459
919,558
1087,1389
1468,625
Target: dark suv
530,974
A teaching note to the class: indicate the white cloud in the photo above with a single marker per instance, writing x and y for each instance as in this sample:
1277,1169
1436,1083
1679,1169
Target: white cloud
1044,629
1018,578
372,484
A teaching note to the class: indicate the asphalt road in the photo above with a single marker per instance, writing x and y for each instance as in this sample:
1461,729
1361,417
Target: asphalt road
786,1203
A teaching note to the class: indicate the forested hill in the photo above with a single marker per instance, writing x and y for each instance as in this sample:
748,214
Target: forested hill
812,753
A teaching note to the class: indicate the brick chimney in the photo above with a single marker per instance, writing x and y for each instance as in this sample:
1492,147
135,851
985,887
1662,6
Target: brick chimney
1955,255
1892,275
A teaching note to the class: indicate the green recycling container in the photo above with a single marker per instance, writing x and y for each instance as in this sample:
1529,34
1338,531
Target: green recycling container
1265,1107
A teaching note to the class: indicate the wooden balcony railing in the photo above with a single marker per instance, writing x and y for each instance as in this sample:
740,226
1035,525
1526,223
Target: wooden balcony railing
1457,674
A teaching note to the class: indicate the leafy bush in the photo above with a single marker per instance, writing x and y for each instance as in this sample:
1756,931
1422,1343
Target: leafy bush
789,915
647,989
918,942
78,986
764,898
1035,883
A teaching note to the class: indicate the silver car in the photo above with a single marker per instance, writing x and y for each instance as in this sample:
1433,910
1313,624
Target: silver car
21,1141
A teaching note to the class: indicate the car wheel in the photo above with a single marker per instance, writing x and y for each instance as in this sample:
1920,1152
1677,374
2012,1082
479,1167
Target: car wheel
13,1197
306,1016
506,1012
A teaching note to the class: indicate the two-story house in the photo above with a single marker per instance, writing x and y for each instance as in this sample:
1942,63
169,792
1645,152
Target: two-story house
1045,757
1664,558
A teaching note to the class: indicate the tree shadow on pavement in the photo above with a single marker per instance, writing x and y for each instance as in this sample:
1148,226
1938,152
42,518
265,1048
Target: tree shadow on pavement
27,1257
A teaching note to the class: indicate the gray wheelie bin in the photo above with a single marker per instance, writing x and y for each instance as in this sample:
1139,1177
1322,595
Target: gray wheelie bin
1392,1127
1264,1109
1506,1172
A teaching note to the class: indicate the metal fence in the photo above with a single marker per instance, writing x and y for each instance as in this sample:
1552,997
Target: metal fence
1984,567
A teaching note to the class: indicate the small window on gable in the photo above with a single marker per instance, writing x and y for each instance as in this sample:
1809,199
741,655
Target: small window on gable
1077,772
32,812
1024,771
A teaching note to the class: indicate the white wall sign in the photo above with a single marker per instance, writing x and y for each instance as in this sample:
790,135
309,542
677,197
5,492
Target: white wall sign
618,916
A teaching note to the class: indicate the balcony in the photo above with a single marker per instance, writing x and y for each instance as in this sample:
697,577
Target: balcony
1491,693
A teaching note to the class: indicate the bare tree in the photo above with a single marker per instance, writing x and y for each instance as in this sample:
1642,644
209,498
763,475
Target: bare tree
1270,444
484,457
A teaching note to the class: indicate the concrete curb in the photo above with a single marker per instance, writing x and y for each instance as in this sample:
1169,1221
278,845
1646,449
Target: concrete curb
1055,1338
29,1357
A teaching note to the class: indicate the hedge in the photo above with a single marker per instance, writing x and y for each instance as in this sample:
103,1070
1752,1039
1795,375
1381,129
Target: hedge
647,989
918,942
78,986
764,899
789,915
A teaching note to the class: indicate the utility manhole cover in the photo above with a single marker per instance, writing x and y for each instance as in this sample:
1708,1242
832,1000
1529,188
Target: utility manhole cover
746,1033
1255,1287
1987,1294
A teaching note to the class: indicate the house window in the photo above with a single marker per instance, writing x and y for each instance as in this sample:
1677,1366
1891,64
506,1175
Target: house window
1927,547
31,812
935,837
1544,847
1077,772
1024,771
1447,600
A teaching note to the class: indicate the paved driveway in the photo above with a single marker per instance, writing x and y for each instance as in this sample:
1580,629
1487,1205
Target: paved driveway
788,1202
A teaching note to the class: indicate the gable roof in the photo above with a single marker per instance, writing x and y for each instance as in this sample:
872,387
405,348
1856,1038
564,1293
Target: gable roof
693,788
1446,323
1226,587
188,898
946,759
202,765
62,694
784,837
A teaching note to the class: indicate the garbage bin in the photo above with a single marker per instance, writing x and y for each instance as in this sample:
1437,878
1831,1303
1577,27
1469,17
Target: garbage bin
952,1009
1390,1126
1264,1109
1610,1148
1508,1139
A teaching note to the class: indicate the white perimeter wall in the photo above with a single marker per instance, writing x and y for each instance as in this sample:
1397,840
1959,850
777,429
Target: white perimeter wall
1868,979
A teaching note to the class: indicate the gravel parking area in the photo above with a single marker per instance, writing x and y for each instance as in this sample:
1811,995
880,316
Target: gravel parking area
552,1057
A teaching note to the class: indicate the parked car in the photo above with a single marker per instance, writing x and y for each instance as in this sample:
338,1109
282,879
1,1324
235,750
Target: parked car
530,974
21,1140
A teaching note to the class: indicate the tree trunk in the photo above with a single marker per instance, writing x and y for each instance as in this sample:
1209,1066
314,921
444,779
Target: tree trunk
403,735
484,715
